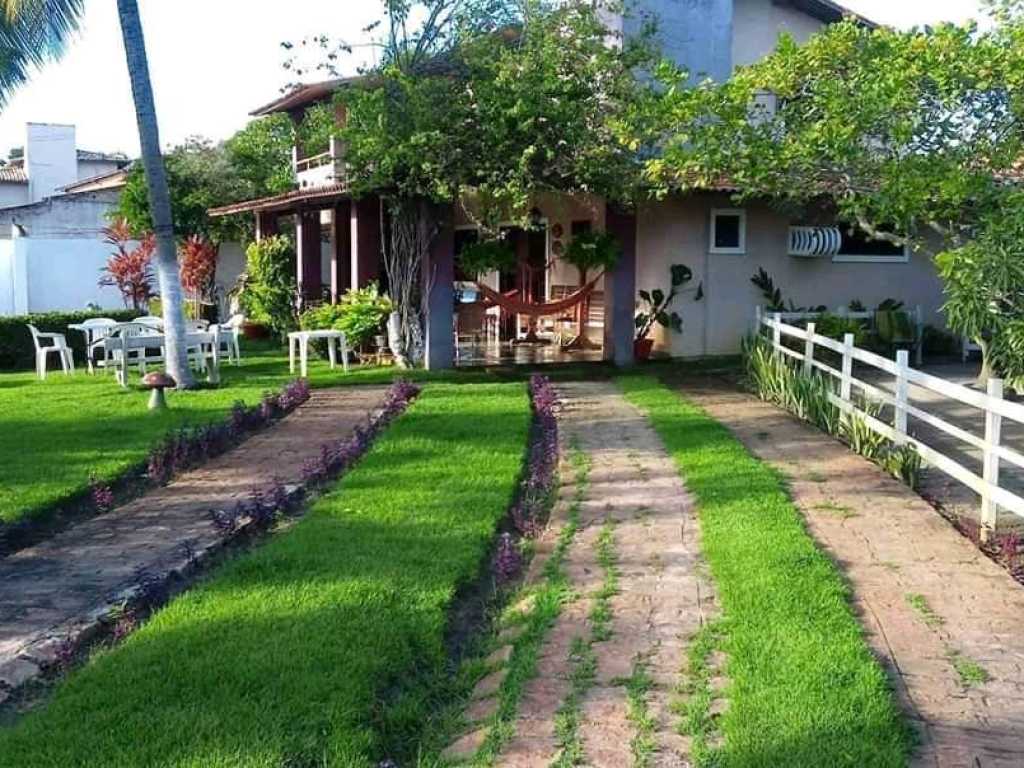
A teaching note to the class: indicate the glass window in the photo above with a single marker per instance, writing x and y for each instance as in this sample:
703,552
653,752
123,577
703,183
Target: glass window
728,231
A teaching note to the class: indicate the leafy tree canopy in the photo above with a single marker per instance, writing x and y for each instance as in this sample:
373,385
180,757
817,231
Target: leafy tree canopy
254,162
500,112
913,135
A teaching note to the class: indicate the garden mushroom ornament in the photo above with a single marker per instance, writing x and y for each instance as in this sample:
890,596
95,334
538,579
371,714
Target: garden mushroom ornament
157,382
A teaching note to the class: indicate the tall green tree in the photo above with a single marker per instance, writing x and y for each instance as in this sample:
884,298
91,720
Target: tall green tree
34,31
914,136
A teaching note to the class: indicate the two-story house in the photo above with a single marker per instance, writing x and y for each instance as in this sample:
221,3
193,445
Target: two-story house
724,245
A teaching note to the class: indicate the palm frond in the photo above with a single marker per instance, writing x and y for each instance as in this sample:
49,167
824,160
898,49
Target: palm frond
32,32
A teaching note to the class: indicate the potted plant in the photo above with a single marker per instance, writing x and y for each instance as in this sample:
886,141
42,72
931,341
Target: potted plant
656,310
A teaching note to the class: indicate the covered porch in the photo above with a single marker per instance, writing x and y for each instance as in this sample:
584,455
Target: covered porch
340,243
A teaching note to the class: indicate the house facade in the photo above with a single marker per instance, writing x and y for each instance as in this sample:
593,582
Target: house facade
814,260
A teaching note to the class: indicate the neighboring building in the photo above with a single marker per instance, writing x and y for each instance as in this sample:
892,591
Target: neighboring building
54,202
813,259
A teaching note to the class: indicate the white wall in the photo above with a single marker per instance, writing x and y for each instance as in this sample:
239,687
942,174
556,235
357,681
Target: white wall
12,193
51,159
757,24
63,274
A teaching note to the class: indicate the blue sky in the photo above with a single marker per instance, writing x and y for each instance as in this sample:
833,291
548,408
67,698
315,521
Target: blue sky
213,61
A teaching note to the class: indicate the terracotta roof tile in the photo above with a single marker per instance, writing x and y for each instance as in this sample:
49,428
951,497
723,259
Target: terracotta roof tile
13,174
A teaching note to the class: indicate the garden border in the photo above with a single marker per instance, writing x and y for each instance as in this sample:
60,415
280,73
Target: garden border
121,613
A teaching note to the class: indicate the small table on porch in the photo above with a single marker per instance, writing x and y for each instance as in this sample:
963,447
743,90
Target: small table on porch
299,340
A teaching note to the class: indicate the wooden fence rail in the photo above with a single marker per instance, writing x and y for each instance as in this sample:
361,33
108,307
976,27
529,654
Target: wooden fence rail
851,394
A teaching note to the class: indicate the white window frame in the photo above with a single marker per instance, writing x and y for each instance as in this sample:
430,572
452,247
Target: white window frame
742,214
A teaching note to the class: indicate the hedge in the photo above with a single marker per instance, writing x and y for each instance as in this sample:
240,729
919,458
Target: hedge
16,350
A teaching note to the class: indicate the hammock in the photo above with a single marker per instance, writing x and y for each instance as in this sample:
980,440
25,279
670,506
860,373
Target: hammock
516,307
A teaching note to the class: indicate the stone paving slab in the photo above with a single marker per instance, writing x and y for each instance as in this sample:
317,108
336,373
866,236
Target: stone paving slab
663,596
60,586
891,545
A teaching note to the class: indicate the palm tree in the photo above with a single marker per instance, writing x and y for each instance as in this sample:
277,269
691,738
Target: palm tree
33,31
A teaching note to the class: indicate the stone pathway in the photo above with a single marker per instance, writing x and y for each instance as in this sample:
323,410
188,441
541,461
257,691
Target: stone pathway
59,587
938,613
663,595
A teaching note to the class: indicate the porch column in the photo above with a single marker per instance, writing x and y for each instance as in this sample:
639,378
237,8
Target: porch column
308,255
439,283
266,224
341,249
620,290
366,241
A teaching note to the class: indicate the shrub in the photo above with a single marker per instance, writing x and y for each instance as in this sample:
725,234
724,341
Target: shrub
778,381
16,350
360,314
270,288
129,269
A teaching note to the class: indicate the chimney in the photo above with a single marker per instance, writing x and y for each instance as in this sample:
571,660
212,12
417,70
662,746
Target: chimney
51,160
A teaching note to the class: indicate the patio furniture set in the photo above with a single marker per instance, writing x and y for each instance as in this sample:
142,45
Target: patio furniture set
118,346
114,345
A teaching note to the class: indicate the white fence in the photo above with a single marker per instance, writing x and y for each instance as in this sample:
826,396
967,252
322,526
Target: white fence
990,404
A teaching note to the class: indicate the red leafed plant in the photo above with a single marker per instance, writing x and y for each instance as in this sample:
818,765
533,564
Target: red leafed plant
198,259
128,269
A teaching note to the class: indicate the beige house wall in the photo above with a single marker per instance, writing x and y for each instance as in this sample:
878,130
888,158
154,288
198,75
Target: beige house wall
677,231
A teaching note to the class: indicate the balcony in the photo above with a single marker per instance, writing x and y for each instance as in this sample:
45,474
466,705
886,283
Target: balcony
320,170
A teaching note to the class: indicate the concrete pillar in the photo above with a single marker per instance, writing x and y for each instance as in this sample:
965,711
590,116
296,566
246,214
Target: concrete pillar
620,290
341,249
366,242
308,255
439,283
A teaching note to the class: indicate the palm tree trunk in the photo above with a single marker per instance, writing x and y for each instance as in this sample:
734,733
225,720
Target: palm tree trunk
159,197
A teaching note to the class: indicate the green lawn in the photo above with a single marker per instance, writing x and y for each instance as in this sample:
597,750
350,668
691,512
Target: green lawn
295,653
804,688
56,432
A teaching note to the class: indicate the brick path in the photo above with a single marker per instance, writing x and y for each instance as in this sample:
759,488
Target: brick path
56,588
663,597
892,546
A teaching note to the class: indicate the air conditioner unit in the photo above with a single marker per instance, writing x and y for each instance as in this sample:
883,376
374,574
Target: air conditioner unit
814,242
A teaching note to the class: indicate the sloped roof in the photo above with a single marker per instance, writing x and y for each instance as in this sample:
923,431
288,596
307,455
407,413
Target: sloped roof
826,11
13,174
304,95
108,180
109,157
283,201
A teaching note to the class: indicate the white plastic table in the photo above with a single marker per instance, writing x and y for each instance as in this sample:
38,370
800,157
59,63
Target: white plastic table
299,340
198,339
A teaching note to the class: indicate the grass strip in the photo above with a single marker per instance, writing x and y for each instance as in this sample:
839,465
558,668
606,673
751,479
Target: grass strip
694,702
582,658
638,686
548,596
804,687
291,655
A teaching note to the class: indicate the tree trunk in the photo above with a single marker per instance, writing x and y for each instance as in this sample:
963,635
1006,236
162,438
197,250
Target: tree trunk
166,259
987,371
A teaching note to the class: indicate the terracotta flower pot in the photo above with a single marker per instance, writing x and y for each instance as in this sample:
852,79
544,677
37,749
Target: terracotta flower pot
642,348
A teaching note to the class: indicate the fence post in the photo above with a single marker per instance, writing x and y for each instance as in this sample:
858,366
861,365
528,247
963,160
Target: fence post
900,419
758,315
918,336
846,383
809,351
777,331
993,429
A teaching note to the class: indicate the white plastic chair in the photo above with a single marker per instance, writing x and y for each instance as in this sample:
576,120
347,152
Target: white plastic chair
94,329
58,344
232,332
157,323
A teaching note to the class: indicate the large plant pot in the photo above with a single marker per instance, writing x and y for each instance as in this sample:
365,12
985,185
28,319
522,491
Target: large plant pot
642,348
255,331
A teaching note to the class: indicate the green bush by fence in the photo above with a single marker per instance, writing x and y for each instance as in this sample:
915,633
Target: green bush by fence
16,350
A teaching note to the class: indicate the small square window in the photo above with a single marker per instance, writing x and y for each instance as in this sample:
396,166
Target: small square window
728,231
